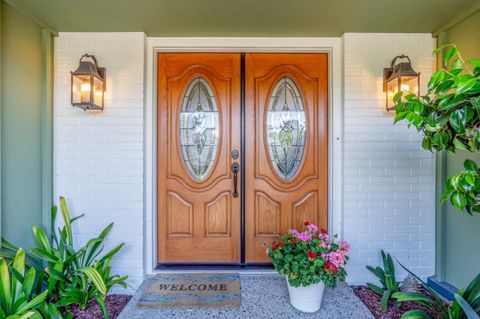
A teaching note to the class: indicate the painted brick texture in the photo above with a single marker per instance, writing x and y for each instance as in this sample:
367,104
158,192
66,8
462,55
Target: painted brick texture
388,178
99,156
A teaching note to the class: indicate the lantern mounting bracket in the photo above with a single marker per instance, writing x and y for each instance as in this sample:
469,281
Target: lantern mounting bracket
387,72
101,71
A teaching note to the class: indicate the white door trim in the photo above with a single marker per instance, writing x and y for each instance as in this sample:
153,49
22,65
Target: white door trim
332,46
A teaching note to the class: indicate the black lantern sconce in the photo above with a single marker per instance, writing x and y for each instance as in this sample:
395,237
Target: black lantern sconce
400,77
88,84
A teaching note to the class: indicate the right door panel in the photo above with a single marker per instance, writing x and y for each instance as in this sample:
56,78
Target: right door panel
286,135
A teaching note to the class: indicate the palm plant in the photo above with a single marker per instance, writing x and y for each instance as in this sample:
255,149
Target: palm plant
386,276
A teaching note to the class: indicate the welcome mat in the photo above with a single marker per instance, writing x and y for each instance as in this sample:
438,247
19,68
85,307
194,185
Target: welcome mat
191,290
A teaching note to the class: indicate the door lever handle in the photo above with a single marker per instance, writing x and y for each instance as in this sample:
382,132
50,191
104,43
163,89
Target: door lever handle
235,170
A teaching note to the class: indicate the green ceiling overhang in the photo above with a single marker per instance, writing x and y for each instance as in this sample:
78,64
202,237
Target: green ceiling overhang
245,17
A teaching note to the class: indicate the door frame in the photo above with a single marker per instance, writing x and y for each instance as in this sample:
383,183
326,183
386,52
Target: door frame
332,46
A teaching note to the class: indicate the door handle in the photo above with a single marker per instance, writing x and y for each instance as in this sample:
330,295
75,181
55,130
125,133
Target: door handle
235,170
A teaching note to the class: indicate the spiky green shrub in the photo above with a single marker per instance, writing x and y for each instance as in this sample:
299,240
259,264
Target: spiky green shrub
386,277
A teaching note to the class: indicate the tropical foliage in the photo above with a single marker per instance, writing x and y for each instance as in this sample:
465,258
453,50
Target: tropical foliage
386,276
72,276
449,117
17,297
309,257
465,305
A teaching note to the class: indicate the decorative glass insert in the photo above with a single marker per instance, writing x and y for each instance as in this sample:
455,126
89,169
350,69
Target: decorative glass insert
286,128
199,128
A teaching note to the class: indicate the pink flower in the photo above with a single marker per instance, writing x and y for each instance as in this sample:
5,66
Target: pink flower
337,258
304,236
313,228
326,245
344,246
323,237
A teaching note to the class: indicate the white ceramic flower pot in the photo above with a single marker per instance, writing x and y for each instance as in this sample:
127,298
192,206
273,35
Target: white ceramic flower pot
306,299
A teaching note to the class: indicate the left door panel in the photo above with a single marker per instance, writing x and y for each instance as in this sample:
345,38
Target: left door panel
198,127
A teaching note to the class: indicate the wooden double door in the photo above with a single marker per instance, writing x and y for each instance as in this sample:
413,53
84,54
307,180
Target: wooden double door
242,153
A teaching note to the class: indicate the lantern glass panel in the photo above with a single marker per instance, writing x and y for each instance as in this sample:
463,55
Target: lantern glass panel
392,89
409,84
81,88
98,92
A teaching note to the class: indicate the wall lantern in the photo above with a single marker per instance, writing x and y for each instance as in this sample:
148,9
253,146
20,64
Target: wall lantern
400,76
88,84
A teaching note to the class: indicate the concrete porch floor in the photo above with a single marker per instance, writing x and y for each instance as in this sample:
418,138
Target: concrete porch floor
263,297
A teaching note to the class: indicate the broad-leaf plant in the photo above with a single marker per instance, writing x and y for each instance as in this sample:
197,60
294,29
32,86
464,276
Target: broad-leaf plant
465,306
71,275
449,117
387,279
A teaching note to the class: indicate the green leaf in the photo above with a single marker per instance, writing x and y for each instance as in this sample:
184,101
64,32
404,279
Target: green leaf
411,296
101,302
467,309
377,272
5,291
19,267
472,292
66,220
470,179
435,79
42,239
458,120
95,278
458,200
397,96
415,314
464,86
384,300
474,62
376,289
34,302
449,54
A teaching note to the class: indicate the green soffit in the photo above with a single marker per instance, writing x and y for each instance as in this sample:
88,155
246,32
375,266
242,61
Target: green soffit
246,17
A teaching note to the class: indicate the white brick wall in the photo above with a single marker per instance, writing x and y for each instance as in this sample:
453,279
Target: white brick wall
98,156
388,178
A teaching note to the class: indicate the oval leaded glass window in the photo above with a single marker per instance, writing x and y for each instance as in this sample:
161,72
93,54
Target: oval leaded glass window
286,128
199,128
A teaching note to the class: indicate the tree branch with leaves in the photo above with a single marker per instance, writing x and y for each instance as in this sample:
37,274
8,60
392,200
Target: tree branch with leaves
448,115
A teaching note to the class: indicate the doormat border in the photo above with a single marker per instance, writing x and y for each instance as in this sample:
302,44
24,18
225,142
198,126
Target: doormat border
179,297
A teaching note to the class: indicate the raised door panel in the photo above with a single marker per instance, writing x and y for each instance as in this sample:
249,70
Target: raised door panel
217,217
287,111
180,216
305,209
267,216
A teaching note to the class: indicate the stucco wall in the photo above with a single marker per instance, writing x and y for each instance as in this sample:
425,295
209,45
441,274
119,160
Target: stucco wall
98,156
388,179
21,126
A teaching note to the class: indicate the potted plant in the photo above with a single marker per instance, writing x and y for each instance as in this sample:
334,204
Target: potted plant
310,260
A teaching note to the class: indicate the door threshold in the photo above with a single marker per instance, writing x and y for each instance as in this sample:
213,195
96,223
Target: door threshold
257,268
